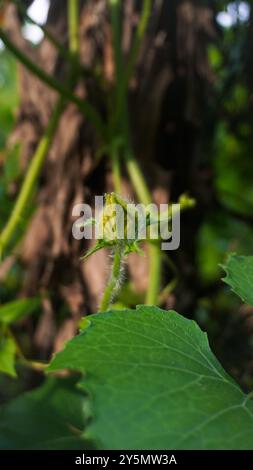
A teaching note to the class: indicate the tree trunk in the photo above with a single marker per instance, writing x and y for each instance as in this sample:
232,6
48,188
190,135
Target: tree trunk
168,100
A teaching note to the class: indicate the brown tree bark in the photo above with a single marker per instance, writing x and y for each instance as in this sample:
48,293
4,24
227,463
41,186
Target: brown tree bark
168,99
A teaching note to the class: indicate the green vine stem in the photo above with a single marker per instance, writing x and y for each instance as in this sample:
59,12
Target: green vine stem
155,257
113,281
29,184
137,177
116,169
51,38
30,179
143,193
42,150
86,108
140,31
115,7
115,146
21,8
73,26
155,267
35,365
122,126
123,74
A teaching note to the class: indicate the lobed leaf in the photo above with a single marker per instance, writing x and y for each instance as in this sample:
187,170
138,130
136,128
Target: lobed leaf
155,384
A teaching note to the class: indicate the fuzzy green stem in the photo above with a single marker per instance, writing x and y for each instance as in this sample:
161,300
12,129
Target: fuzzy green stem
113,281
30,179
85,107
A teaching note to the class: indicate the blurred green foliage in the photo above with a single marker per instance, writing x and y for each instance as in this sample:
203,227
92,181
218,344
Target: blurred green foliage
8,95
229,148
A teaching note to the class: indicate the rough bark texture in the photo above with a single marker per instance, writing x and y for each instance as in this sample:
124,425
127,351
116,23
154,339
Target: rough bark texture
167,97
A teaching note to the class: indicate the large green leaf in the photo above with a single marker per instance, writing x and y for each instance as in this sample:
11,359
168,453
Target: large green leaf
155,384
51,417
239,275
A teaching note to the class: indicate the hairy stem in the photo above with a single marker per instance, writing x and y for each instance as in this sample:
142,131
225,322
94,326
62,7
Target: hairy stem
113,281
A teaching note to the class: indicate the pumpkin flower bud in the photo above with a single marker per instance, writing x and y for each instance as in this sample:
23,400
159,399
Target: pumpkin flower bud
119,224
113,220
113,226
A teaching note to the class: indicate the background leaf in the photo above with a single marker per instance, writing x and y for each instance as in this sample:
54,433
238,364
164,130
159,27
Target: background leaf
17,309
7,356
155,384
51,417
8,95
12,164
239,271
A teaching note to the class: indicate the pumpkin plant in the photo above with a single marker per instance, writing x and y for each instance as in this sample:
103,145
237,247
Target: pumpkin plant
140,378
